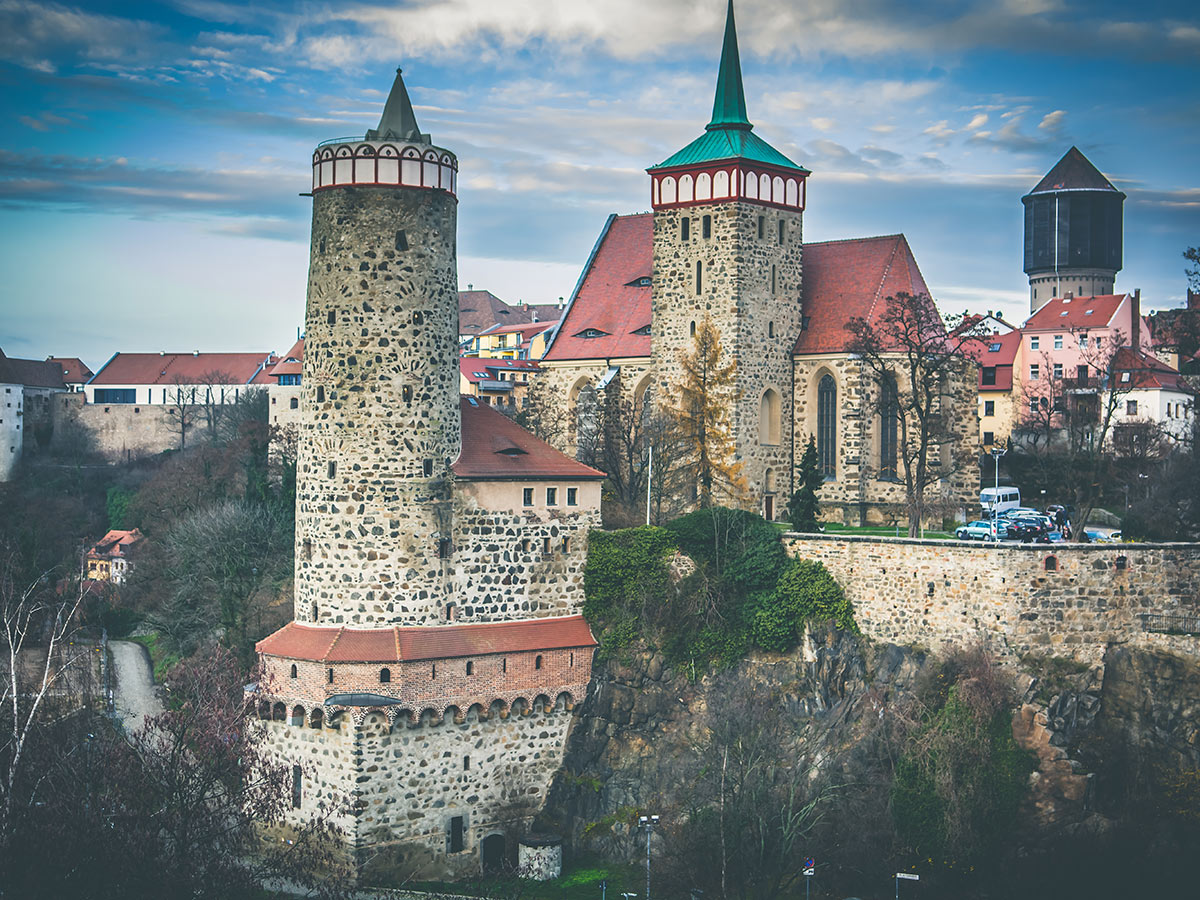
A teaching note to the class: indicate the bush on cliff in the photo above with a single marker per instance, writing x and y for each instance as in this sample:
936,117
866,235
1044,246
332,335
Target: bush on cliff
745,591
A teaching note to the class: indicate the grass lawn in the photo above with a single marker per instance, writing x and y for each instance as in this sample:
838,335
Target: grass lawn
580,881
160,656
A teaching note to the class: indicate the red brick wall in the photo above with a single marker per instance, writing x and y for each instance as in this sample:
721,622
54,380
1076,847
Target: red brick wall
503,677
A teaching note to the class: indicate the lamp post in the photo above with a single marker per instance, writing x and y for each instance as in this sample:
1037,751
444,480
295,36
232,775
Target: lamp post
997,452
647,823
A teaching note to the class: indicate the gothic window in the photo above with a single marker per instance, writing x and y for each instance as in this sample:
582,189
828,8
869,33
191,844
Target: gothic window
889,417
768,417
827,426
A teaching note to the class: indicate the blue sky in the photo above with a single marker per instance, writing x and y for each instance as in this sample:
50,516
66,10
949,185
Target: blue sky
152,154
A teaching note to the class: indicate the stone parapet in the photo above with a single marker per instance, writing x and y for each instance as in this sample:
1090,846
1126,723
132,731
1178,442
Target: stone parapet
1065,599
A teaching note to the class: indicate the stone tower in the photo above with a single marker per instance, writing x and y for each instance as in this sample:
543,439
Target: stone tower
380,423
1073,232
728,215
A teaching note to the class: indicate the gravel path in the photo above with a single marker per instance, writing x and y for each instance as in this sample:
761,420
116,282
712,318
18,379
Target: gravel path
134,693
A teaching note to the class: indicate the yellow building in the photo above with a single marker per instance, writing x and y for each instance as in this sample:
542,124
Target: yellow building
511,341
497,382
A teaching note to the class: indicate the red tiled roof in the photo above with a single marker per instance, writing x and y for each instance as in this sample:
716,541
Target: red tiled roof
606,302
164,368
401,644
980,350
468,366
1148,373
116,542
1050,317
844,279
75,370
479,310
31,372
285,366
494,447
533,328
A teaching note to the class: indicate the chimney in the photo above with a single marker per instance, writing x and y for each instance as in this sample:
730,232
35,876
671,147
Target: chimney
470,287
1135,317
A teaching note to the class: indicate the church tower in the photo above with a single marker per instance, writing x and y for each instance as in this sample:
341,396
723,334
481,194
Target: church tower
380,423
728,215
1073,232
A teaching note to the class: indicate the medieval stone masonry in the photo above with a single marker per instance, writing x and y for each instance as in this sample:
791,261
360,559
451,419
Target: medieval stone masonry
425,689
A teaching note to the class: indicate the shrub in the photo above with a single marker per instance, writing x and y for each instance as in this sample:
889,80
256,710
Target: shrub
626,568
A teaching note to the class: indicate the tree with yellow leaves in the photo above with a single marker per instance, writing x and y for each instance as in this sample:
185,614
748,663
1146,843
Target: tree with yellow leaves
705,392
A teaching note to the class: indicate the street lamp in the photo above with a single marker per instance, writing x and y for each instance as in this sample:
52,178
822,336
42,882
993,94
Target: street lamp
647,823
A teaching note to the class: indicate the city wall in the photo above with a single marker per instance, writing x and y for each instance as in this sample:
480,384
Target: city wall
1065,599
119,432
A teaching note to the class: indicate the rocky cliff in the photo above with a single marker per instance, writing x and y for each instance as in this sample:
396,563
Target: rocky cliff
1115,750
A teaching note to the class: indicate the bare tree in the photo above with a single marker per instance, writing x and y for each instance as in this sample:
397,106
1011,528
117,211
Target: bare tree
916,359
181,408
212,400
39,661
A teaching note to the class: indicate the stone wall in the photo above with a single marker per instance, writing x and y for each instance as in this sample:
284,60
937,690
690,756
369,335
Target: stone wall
380,421
857,495
402,785
1065,599
119,431
750,289
554,395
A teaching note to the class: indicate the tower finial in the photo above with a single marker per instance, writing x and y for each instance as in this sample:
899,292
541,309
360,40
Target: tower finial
729,105
398,122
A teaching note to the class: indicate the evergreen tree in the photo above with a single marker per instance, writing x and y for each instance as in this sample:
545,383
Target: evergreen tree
803,506
705,392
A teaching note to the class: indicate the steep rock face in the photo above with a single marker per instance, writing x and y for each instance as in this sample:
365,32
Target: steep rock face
644,722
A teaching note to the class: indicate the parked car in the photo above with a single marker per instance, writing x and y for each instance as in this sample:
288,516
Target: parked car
1024,529
976,531
1019,512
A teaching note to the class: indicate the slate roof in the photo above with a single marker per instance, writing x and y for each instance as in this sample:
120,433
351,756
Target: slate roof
75,370
1074,172
408,644
608,300
1050,317
844,279
480,310
495,448
164,368
31,372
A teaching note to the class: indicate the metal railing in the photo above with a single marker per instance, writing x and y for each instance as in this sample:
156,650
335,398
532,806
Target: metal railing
1165,623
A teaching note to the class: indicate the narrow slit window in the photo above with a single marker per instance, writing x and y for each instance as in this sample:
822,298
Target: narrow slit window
470,668
401,240
537,662
294,672
466,763
685,228
692,329
406,392
762,227
444,548
331,317
699,277
782,231
329,676
566,545
546,545
320,393
332,468
427,466
297,786
772,279
456,834
706,226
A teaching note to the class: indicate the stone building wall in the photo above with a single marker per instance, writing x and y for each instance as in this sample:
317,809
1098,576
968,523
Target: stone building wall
119,432
401,784
555,390
380,419
857,495
1067,599
750,289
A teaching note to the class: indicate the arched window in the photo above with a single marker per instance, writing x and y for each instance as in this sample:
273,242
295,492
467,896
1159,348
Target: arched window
768,417
692,330
470,668
699,277
889,417
294,670
537,662
385,676
827,426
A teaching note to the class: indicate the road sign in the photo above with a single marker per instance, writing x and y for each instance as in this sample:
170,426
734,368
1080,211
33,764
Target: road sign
908,876
809,863
810,871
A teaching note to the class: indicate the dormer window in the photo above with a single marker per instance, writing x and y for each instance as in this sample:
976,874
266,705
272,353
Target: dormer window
644,281
644,331
994,348
589,333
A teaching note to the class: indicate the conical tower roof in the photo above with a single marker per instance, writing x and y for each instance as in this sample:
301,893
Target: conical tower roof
729,135
1074,172
398,122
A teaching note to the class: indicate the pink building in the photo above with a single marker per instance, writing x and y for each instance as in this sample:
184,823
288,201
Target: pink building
1070,338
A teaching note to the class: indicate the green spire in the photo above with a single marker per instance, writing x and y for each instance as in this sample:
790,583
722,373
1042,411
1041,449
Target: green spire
398,121
729,105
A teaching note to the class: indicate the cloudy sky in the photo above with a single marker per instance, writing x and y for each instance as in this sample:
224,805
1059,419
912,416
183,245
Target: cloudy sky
152,154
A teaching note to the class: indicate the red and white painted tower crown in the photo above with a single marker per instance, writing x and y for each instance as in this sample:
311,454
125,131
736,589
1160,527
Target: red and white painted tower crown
394,154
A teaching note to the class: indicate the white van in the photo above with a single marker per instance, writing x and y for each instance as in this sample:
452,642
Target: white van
996,500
